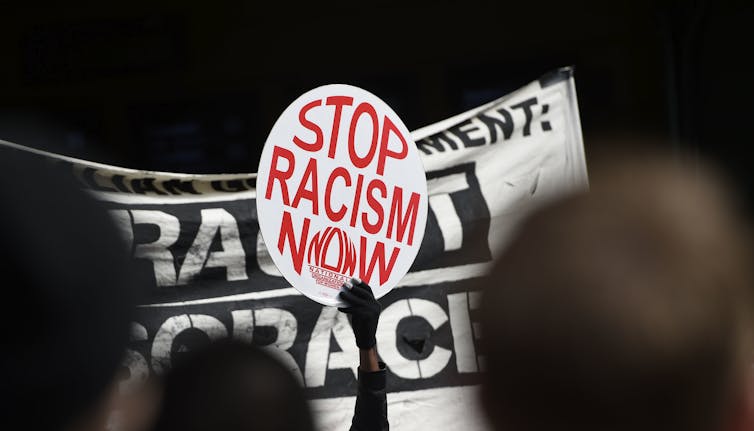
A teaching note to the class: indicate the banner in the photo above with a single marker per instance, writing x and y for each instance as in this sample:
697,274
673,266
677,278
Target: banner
199,236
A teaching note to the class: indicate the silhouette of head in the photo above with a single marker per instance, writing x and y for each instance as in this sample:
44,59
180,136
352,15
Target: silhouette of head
228,386
68,295
625,308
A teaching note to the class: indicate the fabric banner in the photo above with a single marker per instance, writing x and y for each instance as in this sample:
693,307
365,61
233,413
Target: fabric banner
199,236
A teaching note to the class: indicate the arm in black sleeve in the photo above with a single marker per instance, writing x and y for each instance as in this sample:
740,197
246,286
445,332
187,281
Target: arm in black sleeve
371,403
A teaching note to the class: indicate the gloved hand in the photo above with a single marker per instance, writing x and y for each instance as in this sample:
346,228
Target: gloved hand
364,310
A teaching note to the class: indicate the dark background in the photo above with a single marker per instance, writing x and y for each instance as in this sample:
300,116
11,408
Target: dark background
196,87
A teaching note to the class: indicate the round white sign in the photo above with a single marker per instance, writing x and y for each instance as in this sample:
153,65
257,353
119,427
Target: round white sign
341,193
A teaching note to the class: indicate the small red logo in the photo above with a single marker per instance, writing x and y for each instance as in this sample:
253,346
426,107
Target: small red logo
332,257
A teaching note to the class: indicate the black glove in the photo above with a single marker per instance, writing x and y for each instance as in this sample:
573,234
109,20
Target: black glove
364,310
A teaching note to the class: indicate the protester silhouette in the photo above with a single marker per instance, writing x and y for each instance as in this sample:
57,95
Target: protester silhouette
69,293
230,385
625,308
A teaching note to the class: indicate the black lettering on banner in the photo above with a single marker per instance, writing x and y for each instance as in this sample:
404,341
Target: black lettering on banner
494,120
546,126
428,337
105,181
464,132
177,187
88,175
437,142
118,182
526,107
232,186
505,124
145,185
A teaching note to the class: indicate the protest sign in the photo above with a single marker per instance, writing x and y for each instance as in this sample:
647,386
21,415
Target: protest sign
342,193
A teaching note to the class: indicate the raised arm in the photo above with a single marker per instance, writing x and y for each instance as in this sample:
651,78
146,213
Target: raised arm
371,403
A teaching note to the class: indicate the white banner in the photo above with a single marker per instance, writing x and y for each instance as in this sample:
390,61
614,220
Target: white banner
485,168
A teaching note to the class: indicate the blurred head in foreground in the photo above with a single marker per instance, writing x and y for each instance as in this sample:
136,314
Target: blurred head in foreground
625,308
230,386
67,296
